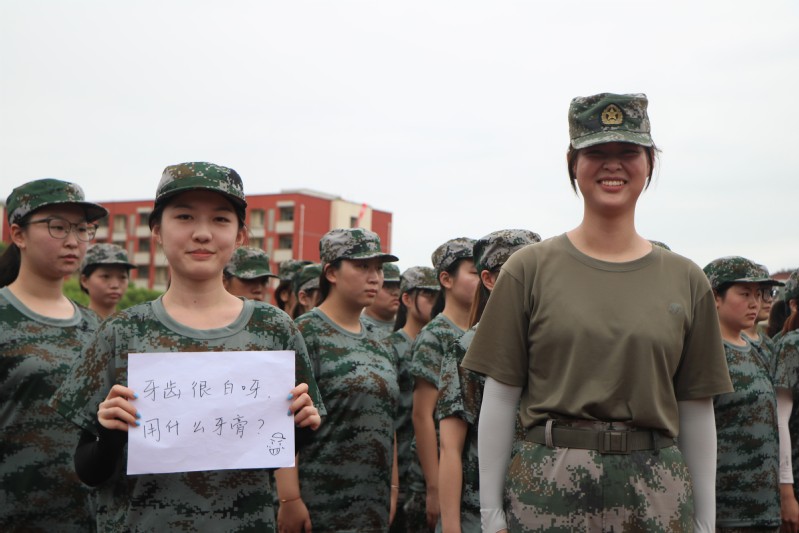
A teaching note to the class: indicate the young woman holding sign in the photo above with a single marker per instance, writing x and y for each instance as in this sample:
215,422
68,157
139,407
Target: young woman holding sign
198,219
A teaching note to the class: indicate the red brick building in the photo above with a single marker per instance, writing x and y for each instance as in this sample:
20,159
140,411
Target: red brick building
287,225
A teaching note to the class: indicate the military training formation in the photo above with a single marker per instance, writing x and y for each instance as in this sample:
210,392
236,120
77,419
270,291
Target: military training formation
591,381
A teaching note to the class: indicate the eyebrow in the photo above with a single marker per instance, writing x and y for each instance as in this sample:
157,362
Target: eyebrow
190,206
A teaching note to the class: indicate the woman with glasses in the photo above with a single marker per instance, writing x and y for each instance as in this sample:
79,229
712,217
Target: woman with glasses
754,481
756,334
788,363
42,332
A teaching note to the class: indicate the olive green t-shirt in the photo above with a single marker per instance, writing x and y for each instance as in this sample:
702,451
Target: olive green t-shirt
597,340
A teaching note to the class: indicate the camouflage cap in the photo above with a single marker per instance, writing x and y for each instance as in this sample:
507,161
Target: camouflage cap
105,253
205,176
451,251
606,117
763,269
307,278
735,269
391,273
34,195
289,268
249,263
351,243
792,286
419,277
491,251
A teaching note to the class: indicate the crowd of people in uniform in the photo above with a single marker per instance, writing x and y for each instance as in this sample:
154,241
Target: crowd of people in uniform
591,381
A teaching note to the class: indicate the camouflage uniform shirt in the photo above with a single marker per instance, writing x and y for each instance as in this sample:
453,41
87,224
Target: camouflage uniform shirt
460,394
345,472
788,376
40,491
747,477
381,328
400,344
428,350
224,500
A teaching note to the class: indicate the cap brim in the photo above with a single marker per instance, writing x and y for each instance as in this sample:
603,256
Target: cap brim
265,275
386,258
616,136
93,211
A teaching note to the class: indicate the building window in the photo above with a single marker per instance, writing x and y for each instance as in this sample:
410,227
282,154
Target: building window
143,272
144,245
257,218
285,242
144,219
102,223
286,213
119,223
353,222
257,242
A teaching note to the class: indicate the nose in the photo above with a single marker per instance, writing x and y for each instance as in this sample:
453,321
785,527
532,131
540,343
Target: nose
202,232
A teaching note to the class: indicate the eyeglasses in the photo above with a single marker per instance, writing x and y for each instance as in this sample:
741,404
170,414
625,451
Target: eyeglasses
768,293
60,228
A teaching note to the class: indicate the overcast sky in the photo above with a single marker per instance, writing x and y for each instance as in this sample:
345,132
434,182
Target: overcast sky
450,115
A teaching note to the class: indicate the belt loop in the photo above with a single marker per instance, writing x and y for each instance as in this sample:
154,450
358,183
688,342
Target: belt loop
548,434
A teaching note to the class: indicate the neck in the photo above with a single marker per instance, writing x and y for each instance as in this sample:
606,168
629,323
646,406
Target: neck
752,332
457,314
610,238
377,316
31,285
412,327
342,312
195,294
731,335
102,311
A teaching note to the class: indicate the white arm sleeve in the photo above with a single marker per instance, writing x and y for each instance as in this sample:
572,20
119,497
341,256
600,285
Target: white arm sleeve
697,442
784,406
494,444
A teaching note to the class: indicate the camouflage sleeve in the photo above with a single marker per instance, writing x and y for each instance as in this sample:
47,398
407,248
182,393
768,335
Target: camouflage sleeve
450,395
426,357
787,371
304,370
90,378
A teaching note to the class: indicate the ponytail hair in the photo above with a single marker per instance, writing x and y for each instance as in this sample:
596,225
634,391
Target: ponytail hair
9,265
792,322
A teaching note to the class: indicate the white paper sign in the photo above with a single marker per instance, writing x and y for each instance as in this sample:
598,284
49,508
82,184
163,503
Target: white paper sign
211,411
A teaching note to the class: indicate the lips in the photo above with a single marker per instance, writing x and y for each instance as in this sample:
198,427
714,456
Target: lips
612,182
201,254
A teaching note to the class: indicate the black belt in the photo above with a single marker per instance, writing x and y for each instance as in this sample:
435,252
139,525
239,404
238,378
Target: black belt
611,441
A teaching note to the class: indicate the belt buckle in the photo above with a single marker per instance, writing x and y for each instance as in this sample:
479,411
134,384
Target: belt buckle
613,442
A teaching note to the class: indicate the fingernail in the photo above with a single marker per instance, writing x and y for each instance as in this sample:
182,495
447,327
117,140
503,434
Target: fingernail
137,423
135,396
138,415
288,413
290,396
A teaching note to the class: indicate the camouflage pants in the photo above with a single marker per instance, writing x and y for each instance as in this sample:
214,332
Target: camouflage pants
415,512
470,522
572,490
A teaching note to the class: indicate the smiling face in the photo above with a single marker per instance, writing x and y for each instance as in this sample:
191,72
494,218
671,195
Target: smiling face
43,254
106,285
611,176
198,231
